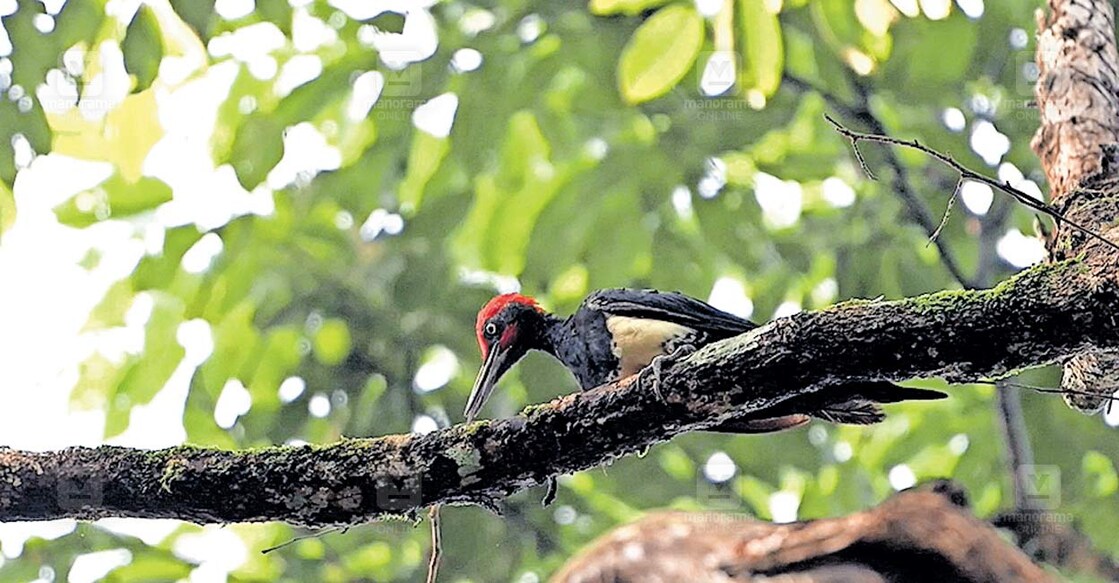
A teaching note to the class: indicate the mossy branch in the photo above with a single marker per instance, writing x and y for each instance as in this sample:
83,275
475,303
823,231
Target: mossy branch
788,366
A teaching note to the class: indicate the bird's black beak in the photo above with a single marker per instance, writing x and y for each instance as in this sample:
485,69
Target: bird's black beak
496,363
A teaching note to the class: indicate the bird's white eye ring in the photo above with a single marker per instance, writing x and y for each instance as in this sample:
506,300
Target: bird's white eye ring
491,329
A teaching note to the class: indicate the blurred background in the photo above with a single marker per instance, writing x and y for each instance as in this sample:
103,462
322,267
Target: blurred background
236,225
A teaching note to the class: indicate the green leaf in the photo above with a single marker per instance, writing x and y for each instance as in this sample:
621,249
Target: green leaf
763,47
258,143
97,380
79,21
29,63
618,256
676,463
235,341
388,21
366,405
660,52
1100,475
32,124
143,48
7,208
109,312
151,567
34,53
115,198
161,347
952,40
332,342
7,161
199,14
630,7
508,203
278,13
278,356
145,377
257,148
157,271
424,158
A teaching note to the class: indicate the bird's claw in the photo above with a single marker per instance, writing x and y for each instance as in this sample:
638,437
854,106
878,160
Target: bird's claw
656,368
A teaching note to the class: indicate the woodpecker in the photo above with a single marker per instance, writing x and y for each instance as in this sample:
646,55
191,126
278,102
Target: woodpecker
617,333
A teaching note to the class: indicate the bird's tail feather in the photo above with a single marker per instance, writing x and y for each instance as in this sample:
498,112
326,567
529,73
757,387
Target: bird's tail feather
887,392
853,412
768,425
862,406
858,406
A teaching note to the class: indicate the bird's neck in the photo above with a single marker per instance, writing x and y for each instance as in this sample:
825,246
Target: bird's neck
553,330
561,339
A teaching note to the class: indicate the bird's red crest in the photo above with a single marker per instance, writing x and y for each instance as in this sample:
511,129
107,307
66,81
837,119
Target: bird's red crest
493,308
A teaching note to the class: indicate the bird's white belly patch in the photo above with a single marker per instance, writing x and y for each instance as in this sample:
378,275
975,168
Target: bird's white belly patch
637,341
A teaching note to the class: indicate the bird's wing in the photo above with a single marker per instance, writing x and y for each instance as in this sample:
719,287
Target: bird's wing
671,307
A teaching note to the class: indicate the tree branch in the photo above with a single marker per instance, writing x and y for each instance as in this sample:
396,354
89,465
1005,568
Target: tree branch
901,183
968,174
920,535
790,365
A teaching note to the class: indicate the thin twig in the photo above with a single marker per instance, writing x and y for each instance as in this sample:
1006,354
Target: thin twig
294,540
918,213
862,162
947,213
436,545
967,173
1019,453
1113,397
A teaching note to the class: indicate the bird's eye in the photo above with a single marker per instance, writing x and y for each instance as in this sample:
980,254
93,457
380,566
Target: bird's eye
491,329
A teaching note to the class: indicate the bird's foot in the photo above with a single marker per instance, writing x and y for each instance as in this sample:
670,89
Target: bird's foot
656,367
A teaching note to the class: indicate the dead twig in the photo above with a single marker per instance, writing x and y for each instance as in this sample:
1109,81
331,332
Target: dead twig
1112,398
947,213
918,213
436,545
294,540
967,174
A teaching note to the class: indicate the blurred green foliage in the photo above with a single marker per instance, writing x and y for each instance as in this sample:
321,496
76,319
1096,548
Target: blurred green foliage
583,154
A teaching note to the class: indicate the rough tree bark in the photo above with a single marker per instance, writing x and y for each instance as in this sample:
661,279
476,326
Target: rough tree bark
1078,98
1046,314
789,365
920,535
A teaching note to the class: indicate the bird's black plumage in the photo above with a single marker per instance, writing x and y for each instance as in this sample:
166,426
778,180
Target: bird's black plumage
617,332
673,307
586,343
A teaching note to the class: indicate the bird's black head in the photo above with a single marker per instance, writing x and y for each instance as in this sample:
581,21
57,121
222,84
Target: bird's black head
508,326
